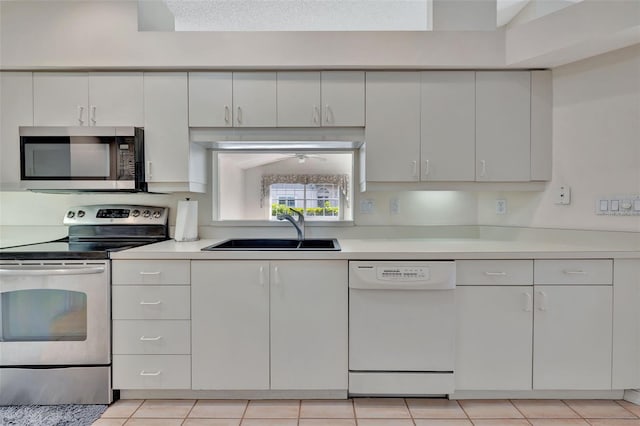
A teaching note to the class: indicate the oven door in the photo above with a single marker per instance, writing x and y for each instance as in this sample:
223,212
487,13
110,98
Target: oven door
54,314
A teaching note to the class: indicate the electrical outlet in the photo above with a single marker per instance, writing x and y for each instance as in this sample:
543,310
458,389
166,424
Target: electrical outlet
563,195
366,206
394,206
501,206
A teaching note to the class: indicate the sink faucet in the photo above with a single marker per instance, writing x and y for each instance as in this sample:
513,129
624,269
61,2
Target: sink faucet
298,224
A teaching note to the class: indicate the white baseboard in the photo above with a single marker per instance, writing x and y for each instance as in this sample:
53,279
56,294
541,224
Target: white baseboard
539,394
632,395
255,394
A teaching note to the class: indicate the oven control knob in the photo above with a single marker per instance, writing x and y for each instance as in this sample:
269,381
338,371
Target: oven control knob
156,214
146,213
70,214
81,213
135,213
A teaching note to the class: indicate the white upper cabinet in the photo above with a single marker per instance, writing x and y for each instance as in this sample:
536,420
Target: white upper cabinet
17,110
448,126
503,126
342,98
88,99
299,99
210,99
392,130
172,163
254,99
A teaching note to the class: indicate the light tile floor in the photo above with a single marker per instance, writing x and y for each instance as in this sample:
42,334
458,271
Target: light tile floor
370,412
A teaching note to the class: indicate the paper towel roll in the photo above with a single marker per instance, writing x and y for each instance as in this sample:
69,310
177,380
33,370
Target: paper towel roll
187,221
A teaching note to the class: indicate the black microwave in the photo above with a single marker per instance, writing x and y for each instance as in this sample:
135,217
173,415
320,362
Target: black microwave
82,158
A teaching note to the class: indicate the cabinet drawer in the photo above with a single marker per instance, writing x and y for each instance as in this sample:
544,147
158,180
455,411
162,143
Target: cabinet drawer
494,272
160,337
152,372
570,271
136,272
151,302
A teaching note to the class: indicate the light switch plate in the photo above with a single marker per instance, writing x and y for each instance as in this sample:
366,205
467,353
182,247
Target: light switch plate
618,205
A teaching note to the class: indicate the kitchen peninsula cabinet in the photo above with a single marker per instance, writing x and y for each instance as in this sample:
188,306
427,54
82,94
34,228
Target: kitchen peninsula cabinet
172,163
320,99
88,99
279,325
238,99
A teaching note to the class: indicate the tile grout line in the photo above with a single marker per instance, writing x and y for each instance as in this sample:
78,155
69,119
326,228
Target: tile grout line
519,411
618,402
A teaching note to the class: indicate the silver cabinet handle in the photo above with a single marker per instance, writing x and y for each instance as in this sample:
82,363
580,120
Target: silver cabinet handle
157,302
574,272
483,168
239,115
276,275
149,173
414,168
262,279
542,304
80,114
227,114
426,167
528,302
495,274
93,114
150,339
326,114
316,114
50,271
150,373
150,273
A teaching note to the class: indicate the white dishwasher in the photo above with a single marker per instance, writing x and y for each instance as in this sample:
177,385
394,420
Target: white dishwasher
401,327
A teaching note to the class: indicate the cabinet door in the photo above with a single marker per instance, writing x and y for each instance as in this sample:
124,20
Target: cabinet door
254,99
210,99
342,98
230,324
448,146
392,131
494,338
503,131
309,325
299,99
60,99
16,104
166,127
116,99
572,337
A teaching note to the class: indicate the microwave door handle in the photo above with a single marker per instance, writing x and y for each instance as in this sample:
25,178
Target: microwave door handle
50,271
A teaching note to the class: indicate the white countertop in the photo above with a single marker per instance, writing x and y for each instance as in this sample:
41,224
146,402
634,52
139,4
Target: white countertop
392,249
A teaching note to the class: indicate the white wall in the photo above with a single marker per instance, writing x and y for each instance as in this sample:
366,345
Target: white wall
596,147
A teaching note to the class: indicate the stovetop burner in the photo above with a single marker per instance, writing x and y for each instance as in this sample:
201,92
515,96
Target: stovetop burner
96,231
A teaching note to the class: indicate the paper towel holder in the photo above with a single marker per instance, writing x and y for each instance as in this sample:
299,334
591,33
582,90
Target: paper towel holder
187,221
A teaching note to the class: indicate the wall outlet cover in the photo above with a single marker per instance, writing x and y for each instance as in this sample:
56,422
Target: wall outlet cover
501,206
366,206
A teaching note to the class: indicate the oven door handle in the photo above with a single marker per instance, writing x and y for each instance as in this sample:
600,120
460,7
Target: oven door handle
41,271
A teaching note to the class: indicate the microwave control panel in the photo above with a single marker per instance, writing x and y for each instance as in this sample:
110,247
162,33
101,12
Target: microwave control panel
126,159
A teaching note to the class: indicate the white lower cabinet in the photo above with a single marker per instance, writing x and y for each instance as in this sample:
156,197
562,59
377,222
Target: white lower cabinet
269,325
494,342
151,311
519,336
572,337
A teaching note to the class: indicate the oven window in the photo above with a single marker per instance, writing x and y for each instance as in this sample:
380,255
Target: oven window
43,315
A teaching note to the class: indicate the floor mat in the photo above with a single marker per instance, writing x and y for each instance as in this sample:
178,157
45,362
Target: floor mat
50,415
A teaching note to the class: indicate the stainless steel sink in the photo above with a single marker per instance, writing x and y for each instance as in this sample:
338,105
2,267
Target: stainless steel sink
271,244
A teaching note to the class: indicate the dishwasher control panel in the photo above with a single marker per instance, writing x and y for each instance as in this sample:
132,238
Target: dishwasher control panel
402,273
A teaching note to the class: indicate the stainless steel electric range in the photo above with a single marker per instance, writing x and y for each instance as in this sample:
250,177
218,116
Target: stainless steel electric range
55,306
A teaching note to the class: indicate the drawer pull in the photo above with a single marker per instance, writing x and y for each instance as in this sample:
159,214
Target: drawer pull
528,302
150,339
150,373
149,273
495,274
157,302
574,272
